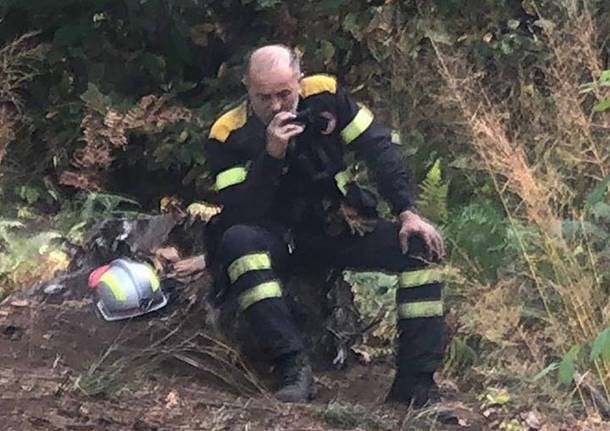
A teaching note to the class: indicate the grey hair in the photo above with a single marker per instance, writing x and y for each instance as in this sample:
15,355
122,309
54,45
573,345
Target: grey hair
294,61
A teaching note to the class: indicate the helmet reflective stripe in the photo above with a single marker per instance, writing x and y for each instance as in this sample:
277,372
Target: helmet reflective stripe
154,280
110,280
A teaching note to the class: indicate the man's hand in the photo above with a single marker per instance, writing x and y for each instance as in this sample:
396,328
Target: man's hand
279,133
189,266
412,224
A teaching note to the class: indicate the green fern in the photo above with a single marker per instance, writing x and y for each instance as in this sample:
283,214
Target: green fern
432,202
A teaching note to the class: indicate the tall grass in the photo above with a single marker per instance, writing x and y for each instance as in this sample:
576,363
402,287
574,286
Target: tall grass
544,151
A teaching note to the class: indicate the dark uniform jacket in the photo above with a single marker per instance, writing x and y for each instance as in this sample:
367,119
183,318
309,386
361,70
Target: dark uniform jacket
255,188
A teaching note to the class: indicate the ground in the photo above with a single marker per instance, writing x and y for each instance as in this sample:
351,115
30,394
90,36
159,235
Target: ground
57,368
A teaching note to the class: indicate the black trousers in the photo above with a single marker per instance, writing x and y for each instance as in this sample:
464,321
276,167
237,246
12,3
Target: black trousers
251,259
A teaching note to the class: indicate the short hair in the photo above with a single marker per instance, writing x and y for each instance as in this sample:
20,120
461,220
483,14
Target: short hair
294,61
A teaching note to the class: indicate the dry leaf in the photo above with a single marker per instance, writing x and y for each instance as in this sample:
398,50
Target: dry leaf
532,419
171,400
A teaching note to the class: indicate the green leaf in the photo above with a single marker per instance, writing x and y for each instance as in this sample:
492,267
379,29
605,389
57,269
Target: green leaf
601,211
95,100
601,346
267,4
602,106
327,51
567,367
551,367
350,24
494,397
329,6
599,193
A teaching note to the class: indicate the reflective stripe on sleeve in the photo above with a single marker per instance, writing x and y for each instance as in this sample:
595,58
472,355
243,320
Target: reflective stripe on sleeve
341,179
419,278
257,293
114,285
358,125
412,310
231,177
249,262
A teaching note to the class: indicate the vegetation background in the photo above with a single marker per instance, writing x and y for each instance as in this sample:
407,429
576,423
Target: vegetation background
502,108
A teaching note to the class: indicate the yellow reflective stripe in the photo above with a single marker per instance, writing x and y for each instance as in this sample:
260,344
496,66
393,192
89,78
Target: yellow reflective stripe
412,310
341,179
419,278
154,279
267,290
230,177
115,287
395,137
358,125
249,262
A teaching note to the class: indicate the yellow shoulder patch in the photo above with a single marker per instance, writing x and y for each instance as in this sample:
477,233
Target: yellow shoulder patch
228,122
316,84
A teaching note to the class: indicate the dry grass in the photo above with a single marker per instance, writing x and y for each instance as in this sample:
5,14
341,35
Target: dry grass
19,61
542,157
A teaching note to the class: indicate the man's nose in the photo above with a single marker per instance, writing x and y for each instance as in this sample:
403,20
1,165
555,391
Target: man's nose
276,105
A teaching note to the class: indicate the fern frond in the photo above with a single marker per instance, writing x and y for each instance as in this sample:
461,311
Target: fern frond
432,202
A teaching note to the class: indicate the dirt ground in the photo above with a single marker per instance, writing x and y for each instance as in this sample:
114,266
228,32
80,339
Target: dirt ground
49,351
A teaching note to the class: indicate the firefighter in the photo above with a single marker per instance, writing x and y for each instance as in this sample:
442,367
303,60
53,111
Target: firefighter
285,194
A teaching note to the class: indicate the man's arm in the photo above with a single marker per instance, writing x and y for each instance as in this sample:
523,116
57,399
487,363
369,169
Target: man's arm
372,142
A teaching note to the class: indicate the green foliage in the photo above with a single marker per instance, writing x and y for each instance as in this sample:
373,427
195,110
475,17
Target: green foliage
567,366
350,416
6,226
374,296
480,237
601,346
432,202
459,356
102,383
602,82
97,206
598,194
27,259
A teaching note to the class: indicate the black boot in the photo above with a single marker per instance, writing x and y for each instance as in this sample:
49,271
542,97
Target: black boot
296,379
414,389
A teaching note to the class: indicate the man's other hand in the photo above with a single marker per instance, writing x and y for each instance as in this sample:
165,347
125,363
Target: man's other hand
412,224
279,133
189,266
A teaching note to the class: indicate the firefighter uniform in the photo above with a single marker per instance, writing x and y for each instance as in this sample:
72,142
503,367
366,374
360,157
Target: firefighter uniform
275,211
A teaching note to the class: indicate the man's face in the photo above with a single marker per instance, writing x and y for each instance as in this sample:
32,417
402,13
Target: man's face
273,91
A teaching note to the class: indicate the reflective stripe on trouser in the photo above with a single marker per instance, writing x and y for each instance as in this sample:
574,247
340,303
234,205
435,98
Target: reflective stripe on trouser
421,295
420,317
262,291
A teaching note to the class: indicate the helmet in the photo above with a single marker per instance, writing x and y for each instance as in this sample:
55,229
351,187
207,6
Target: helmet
125,289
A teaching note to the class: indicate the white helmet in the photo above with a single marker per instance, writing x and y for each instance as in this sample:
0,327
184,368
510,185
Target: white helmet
125,289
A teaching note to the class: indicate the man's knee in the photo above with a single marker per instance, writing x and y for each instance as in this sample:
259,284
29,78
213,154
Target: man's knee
239,240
